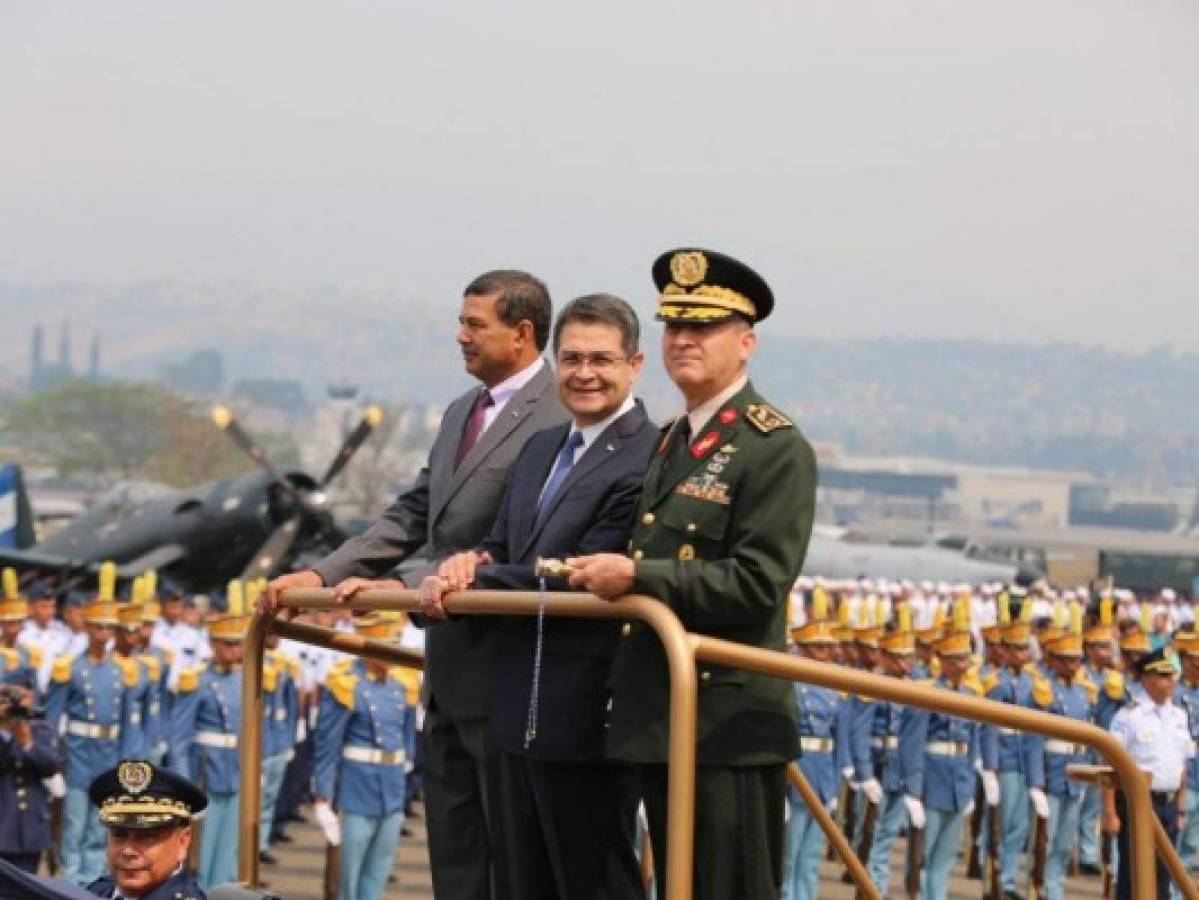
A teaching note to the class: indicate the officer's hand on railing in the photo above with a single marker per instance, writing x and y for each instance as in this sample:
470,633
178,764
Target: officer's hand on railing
915,810
1040,804
873,791
327,819
431,590
268,603
607,575
458,571
990,787
345,590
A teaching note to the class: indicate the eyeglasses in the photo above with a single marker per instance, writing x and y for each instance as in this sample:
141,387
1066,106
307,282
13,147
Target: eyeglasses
598,362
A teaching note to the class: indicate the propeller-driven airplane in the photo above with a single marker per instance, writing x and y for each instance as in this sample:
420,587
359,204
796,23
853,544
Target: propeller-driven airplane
249,526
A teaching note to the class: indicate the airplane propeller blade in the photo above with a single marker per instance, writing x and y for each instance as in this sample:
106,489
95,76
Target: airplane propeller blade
222,417
273,550
355,439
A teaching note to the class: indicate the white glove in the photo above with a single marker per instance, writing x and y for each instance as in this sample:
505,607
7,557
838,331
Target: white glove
55,786
990,787
969,809
301,730
1040,804
915,810
847,773
873,791
327,819
832,806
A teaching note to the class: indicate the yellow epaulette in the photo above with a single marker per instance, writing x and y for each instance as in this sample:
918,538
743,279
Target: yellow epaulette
153,667
1031,668
189,680
972,683
35,655
130,671
935,667
270,677
342,664
61,672
11,658
1113,684
989,682
766,418
410,679
341,684
1042,691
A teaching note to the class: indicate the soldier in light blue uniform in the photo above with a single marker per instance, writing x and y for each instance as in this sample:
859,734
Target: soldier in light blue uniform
19,663
937,760
205,724
1049,789
990,672
823,746
874,746
1105,688
1186,695
141,693
1003,754
281,709
91,692
360,765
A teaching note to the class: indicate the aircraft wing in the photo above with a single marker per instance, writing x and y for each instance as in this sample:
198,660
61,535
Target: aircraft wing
158,559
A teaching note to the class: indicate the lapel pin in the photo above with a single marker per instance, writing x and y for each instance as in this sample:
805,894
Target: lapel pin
610,448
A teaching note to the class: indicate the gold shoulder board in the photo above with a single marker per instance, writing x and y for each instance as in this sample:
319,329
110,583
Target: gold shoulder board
62,669
766,418
1042,692
341,685
1113,684
189,680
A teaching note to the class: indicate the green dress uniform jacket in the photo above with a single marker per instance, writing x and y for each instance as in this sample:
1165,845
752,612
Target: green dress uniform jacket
720,536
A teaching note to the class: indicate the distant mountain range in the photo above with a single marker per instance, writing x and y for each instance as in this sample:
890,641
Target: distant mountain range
1126,415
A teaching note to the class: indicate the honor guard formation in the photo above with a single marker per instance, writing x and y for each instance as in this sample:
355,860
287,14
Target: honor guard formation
539,744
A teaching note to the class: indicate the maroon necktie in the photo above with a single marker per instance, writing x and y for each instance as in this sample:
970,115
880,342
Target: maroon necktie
474,427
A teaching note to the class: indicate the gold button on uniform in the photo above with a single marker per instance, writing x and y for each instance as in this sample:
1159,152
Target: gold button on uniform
691,528
647,519
705,675
638,554
626,629
686,553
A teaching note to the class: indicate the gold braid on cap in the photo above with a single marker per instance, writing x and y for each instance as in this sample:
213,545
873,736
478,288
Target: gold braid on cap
732,300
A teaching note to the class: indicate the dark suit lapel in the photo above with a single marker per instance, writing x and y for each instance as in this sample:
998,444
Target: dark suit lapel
514,412
603,448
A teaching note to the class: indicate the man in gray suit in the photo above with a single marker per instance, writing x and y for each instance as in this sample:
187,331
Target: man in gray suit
504,326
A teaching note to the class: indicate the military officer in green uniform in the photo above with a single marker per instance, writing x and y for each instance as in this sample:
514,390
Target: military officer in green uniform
720,536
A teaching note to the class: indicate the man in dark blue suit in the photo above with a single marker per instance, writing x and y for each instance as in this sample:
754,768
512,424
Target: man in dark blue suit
567,814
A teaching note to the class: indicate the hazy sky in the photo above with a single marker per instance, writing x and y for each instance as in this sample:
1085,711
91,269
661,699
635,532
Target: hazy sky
1004,168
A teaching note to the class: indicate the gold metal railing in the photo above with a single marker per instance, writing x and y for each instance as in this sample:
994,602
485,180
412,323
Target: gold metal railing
683,651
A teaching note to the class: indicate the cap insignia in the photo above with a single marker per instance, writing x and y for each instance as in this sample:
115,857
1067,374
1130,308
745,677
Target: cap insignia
688,268
134,776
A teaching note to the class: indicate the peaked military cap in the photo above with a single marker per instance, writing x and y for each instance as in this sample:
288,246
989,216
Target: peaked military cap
702,287
1156,663
138,794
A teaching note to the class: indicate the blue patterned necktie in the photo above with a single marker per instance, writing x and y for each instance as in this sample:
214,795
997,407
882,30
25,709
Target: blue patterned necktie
566,459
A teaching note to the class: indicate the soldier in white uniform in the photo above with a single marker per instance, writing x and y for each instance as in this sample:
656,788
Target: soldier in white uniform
1157,735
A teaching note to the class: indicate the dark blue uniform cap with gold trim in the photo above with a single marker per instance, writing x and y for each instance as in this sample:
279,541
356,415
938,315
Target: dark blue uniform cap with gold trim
139,794
703,287
1156,663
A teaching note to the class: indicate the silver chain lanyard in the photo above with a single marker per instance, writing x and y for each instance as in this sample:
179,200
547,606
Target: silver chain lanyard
534,694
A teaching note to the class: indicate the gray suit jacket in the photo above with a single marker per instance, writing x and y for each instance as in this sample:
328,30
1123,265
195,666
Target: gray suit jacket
447,511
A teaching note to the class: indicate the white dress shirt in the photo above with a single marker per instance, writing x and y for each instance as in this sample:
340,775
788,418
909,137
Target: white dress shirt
701,414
